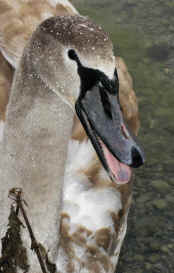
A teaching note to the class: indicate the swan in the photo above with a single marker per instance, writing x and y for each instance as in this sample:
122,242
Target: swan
66,144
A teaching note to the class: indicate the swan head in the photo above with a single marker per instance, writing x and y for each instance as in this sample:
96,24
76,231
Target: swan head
74,58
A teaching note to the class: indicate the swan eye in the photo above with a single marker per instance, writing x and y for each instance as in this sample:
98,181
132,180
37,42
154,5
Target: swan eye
72,54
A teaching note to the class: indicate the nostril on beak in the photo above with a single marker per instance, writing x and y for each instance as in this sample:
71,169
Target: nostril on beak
124,131
137,158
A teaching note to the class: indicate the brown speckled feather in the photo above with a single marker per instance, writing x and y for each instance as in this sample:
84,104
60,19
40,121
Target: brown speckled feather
99,249
128,99
23,18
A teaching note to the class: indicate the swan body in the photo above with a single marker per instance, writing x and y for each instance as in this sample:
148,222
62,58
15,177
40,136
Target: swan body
94,214
42,136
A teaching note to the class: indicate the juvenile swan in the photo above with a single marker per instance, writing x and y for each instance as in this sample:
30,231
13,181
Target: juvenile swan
67,66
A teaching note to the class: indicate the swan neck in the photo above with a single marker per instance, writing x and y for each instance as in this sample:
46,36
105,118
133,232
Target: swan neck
36,137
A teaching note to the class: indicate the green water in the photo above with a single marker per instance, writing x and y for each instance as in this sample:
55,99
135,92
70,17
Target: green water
142,32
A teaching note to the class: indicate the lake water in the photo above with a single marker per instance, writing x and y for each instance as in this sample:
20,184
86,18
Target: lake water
143,34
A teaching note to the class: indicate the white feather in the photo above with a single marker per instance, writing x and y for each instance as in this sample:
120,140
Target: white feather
88,205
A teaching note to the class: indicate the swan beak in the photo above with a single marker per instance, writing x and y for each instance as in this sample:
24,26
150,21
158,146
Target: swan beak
100,114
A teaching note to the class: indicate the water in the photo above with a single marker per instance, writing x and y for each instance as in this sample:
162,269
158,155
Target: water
142,33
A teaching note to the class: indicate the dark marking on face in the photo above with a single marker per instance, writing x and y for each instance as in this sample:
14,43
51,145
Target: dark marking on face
91,77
